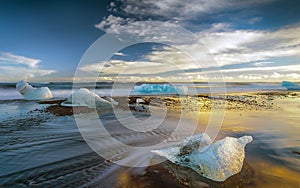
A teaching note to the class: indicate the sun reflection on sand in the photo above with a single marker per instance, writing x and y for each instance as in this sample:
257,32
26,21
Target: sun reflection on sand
273,154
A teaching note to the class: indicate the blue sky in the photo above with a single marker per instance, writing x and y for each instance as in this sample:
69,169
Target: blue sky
255,40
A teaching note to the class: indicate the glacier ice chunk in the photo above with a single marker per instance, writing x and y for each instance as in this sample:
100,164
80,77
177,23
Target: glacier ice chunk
111,100
139,100
217,161
290,85
33,93
160,89
84,97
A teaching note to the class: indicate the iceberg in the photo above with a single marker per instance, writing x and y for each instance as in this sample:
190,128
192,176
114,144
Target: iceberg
290,85
33,93
160,88
84,97
217,161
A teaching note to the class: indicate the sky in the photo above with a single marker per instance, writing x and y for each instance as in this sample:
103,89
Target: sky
254,40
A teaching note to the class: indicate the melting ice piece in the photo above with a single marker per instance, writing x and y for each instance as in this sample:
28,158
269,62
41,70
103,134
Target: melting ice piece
139,100
217,161
160,88
32,93
84,97
290,85
113,102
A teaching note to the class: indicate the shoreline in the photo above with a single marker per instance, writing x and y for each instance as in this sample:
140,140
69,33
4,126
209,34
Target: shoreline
243,101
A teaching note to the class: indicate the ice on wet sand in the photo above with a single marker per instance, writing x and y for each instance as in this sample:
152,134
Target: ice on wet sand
33,93
217,161
85,97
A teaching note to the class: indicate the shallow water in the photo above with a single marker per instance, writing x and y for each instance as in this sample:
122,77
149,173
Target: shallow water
39,149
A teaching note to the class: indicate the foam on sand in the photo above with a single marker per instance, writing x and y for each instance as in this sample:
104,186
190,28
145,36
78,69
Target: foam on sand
33,93
217,161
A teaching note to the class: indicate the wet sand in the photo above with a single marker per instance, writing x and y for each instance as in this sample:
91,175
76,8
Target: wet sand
44,147
271,160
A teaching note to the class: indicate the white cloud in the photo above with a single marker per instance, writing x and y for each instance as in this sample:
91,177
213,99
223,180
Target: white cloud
111,23
236,47
250,77
12,73
240,46
287,68
119,54
218,27
293,75
6,57
276,75
128,67
227,45
228,40
14,67
182,10
92,68
262,63
172,11
170,55
254,20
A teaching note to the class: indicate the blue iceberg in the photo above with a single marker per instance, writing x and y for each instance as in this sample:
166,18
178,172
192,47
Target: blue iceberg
290,85
160,89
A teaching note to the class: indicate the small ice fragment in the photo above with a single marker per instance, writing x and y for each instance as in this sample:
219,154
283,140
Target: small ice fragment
217,161
84,97
32,93
113,102
139,100
160,88
290,85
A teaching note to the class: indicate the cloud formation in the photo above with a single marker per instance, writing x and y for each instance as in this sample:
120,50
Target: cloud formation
121,67
240,53
254,20
17,59
178,10
15,67
239,46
